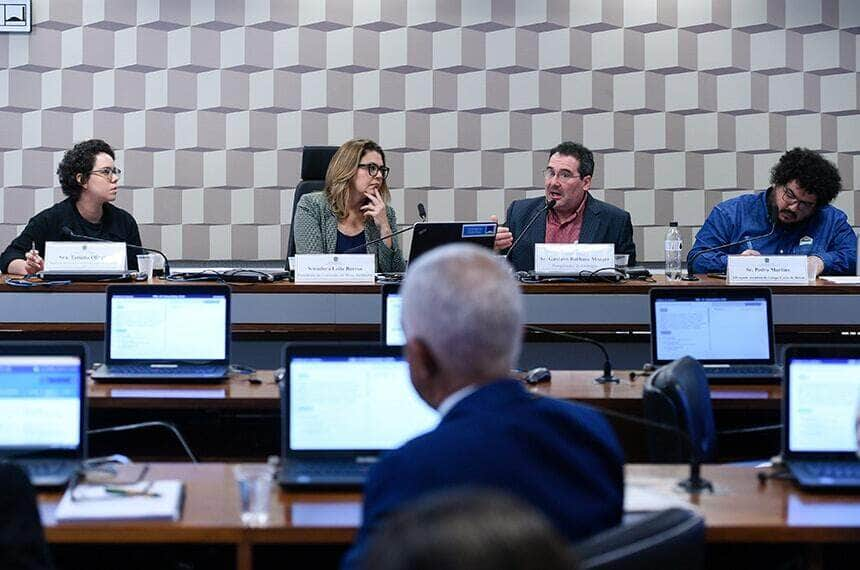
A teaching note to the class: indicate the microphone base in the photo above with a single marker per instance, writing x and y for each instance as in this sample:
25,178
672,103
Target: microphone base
608,379
695,485
689,277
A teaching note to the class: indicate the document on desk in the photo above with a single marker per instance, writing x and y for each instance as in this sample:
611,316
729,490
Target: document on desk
644,494
156,500
842,279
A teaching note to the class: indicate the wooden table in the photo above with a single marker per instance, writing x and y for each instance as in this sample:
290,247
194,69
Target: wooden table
740,511
219,428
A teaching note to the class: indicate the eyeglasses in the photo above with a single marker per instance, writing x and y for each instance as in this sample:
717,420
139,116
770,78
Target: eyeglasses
373,169
792,199
564,175
107,172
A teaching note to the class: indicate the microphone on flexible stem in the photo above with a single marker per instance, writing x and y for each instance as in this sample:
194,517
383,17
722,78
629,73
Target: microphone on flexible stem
694,484
550,204
607,376
66,231
772,212
422,213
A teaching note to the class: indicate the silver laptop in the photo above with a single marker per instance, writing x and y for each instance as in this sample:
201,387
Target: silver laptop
43,410
821,403
728,330
341,406
165,333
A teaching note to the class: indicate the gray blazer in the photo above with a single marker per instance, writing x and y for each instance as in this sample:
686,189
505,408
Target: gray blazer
315,231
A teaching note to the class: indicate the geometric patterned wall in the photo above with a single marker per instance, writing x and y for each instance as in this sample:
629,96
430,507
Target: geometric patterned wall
208,102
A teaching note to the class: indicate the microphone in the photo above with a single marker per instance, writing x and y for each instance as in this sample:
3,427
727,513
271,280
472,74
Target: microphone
607,376
550,204
772,214
66,231
422,213
694,483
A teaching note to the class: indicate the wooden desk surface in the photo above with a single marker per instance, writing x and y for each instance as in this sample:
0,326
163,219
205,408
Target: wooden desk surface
739,511
240,393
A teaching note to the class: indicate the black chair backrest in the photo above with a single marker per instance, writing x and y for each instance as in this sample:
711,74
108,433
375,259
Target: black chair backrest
678,396
22,541
674,538
315,161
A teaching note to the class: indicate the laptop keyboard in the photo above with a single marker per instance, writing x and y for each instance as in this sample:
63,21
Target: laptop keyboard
144,369
830,469
752,370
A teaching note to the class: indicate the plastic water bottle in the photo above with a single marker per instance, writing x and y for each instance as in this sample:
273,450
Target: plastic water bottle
673,252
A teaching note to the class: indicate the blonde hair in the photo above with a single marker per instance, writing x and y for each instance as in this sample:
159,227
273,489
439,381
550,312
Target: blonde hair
343,166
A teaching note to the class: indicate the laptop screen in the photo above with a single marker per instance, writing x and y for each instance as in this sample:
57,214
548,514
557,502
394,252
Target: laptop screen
394,335
823,399
361,403
40,402
712,328
149,326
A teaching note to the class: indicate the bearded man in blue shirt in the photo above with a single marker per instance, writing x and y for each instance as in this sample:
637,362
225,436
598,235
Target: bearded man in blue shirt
792,217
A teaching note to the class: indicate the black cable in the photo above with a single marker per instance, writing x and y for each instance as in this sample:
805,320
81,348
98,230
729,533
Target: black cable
129,427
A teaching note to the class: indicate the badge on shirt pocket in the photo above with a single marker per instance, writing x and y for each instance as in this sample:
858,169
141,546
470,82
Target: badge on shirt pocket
805,240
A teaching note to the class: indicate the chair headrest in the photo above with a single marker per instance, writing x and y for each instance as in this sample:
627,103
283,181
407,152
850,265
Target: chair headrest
315,160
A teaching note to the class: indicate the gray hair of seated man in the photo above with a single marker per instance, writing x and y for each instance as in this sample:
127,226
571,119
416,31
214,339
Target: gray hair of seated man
464,303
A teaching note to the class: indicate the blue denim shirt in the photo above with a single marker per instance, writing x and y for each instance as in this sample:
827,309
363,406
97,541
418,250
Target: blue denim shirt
826,234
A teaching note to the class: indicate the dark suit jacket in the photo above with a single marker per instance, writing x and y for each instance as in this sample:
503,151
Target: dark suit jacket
602,223
22,543
562,458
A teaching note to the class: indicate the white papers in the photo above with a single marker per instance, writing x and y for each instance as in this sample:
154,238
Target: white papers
654,494
159,500
842,279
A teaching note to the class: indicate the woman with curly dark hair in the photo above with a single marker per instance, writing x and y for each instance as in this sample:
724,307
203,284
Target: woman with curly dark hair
792,217
89,178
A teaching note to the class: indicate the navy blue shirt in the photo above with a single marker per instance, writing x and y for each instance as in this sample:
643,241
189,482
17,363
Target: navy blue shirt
826,234
353,244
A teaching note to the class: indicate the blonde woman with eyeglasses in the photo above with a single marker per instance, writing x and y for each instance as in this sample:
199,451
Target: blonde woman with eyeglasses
352,210
89,177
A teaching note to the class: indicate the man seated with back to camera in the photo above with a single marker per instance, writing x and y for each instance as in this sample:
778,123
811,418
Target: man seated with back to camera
576,217
796,207
463,321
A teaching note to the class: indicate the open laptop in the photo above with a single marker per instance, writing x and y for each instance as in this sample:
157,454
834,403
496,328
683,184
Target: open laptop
162,333
341,406
391,329
728,330
820,407
43,419
429,235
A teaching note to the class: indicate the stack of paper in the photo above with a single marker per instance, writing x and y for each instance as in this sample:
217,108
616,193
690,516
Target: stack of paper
147,500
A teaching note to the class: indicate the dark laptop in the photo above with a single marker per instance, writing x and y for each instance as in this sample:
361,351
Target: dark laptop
429,235
729,330
43,420
820,406
390,329
341,406
162,333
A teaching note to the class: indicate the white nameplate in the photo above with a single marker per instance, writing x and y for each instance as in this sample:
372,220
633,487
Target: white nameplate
767,270
85,256
336,268
573,258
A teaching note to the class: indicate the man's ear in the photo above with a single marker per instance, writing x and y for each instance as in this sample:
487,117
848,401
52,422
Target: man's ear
421,359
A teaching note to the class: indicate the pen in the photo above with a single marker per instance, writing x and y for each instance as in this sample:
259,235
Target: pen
130,493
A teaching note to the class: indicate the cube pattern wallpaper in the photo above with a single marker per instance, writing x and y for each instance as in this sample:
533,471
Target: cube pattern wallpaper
209,102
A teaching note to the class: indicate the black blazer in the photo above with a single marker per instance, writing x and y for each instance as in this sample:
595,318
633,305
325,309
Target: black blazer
22,542
602,223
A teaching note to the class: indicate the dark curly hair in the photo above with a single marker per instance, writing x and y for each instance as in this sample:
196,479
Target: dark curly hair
80,159
579,152
814,174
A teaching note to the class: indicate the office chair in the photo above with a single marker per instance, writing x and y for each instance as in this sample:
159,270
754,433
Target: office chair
674,538
315,161
22,541
679,397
